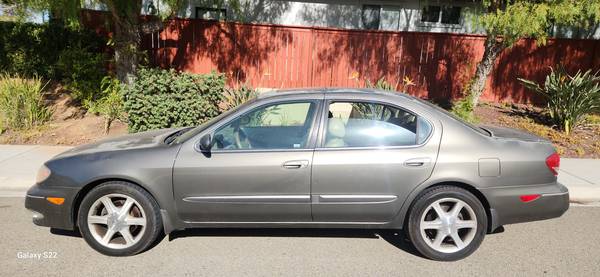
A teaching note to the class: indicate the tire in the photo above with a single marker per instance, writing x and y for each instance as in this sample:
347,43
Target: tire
141,223
424,214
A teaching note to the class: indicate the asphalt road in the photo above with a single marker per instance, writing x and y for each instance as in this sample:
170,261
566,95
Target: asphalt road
568,246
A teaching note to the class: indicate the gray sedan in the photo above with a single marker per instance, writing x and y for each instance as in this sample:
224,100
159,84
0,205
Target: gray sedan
321,158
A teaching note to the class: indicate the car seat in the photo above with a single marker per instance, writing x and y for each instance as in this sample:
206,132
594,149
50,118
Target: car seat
336,130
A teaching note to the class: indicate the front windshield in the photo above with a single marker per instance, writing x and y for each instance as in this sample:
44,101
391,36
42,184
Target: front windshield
196,130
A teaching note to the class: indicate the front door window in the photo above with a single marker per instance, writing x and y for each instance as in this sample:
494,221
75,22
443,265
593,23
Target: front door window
276,126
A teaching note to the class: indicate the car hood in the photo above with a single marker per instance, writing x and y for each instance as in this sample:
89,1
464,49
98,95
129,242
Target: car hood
509,133
147,139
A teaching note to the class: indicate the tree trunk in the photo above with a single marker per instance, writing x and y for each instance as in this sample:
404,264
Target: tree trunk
127,37
493,47
127,40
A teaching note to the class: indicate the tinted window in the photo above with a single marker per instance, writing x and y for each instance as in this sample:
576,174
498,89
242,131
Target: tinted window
371,16
437,14
278,126
451,15
430,14
361,124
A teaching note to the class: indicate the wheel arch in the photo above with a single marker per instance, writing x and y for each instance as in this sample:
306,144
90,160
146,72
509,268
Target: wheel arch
91,185
489,211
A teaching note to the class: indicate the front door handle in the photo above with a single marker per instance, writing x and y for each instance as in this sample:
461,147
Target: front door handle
416,162
295,164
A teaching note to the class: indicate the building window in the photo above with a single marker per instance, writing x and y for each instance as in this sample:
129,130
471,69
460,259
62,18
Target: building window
441,14
451,15
371,16
211,13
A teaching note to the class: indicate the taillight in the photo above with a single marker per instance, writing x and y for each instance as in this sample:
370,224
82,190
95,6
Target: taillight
553,162
529,197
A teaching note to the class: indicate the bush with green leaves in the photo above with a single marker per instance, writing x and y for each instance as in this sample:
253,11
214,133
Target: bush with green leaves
82,71
30,49
464,109
54,52
570,97
110,106
161,98
21,102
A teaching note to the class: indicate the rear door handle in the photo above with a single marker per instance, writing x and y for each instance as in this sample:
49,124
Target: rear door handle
416,162
295,164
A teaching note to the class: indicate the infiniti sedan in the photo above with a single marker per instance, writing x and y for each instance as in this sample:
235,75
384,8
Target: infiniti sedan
320,158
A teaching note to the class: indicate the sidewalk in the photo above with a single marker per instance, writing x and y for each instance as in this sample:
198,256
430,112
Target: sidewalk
19,165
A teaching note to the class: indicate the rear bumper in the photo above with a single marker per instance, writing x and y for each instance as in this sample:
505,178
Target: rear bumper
46,213
507,208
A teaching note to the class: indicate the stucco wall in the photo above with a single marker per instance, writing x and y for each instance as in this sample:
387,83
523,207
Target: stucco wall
395,15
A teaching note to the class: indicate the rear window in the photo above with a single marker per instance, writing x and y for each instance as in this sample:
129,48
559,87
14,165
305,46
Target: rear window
365,124
456,118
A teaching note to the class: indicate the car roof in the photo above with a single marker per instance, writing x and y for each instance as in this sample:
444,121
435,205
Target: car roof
348,91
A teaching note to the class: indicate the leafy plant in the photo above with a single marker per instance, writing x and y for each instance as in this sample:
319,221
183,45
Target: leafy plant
82,72
21,102
464,109
380,84
110,106
234,97
165,98
570,97
29,49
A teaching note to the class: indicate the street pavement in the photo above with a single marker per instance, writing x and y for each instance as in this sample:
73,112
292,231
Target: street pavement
19,164
566,246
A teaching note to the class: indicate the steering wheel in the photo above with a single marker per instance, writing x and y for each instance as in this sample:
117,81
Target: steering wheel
240,137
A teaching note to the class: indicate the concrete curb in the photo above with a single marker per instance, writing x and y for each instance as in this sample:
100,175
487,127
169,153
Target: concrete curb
584,194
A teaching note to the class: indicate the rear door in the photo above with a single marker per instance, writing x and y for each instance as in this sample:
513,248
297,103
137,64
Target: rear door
370,156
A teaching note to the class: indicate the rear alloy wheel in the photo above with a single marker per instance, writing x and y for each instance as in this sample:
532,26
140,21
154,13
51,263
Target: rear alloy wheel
119,219
447,223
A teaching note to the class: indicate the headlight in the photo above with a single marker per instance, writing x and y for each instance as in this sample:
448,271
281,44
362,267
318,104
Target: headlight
42,175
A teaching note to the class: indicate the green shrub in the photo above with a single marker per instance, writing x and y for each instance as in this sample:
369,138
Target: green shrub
166,98
82,72
570,97
21,102
464,109
110,106
30,49
54,52
235,97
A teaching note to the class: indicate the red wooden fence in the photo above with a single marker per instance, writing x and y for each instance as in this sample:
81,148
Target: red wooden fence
273,56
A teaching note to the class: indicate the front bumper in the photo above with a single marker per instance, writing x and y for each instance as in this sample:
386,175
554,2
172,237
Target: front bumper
506,207
48,214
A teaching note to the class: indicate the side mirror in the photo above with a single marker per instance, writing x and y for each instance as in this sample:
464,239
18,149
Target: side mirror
206,143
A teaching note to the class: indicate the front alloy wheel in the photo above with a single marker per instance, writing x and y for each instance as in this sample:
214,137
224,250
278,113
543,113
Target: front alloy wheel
116,221
119,219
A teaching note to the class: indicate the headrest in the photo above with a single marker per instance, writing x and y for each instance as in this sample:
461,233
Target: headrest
336,128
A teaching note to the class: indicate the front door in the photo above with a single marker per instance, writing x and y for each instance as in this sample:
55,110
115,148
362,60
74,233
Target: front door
370,158
258,170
